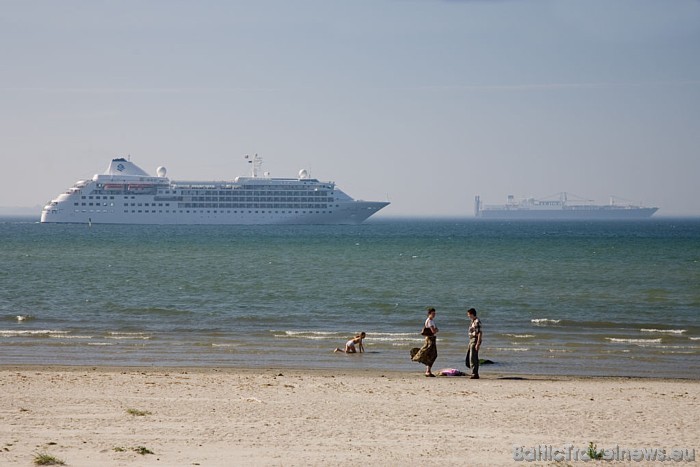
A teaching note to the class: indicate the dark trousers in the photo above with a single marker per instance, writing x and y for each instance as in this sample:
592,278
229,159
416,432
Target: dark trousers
472,360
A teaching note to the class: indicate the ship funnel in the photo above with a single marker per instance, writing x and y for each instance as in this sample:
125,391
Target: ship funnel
122,166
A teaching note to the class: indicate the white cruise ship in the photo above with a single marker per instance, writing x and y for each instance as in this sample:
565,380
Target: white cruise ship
125,194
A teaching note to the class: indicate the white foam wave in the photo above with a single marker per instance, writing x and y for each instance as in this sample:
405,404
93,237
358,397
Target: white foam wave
694,338
665,331
42,333
100,343
409,338
66,336
145,338
512,349
521,336
35,332
306,333
544,321
128,335
117,333
618,340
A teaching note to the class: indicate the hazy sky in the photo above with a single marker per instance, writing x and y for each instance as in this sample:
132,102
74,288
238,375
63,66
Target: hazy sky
424,102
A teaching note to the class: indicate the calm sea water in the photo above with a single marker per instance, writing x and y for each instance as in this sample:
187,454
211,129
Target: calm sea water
562,298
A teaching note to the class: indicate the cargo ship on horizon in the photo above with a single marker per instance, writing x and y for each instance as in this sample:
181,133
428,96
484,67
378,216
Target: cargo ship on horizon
560,208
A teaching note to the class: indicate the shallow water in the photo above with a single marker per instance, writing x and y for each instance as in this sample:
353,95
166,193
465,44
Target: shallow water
575,298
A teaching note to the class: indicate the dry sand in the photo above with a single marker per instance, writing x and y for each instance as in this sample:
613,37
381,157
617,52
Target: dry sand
217,417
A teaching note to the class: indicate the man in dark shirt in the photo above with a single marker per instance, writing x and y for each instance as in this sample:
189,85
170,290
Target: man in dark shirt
475,336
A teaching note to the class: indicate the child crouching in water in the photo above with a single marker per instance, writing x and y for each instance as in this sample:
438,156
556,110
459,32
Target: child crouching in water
350,345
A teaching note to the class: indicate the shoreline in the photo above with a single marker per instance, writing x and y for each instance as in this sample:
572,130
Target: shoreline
102,415
486,372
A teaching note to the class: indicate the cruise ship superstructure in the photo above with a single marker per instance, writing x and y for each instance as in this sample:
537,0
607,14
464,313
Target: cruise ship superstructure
560,208
126,194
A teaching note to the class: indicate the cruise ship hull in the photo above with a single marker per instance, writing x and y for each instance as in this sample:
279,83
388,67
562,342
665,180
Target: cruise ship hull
352,213
125,194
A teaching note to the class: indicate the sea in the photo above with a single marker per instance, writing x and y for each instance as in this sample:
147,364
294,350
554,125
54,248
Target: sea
603,298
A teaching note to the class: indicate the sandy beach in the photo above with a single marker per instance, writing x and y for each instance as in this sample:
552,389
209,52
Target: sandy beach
88,416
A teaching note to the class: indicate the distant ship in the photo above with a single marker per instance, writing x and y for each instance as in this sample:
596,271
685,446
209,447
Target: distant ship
125,194
560,208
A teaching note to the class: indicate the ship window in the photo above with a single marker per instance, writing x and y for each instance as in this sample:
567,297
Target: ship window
82,197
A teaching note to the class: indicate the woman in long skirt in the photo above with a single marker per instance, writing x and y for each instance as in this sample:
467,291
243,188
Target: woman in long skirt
428,353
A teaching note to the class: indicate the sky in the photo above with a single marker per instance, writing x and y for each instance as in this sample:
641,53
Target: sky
424,103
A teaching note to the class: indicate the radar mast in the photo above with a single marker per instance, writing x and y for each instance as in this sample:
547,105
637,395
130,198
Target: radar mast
255,163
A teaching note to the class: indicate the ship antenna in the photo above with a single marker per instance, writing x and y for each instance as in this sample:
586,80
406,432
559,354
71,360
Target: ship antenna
255,163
